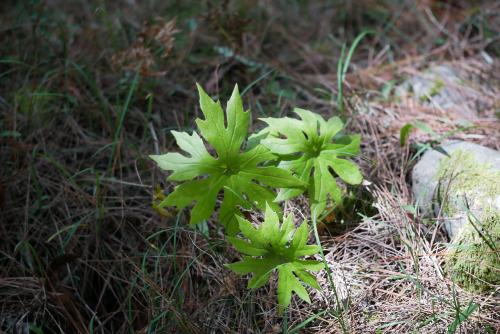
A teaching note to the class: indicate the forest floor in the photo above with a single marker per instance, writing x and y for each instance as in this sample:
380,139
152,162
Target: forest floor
89,89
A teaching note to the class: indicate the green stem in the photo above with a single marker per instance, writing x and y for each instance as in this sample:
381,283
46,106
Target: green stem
339,307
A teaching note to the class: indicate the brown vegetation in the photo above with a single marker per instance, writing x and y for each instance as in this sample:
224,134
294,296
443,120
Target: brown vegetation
89,89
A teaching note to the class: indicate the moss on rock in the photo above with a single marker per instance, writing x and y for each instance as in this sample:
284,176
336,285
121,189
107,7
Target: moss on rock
473,259
469,194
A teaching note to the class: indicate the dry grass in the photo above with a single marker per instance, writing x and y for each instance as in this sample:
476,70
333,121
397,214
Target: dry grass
389,269
82,249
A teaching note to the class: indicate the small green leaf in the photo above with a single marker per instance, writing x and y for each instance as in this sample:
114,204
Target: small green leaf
275,247
311,265
259,280
300,237
347,170
441,150
308,250
404,133
308,278
246,266
245,247
423,127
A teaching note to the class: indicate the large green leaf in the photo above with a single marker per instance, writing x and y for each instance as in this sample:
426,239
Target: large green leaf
274,246
239,176
306,147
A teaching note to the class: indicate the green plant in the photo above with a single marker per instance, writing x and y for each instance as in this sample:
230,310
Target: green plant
307,148
272,247
311,148
241,176
461,315
343,66
435,140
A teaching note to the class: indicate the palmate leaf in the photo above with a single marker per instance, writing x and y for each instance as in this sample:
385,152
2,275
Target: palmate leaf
306,148
238,175
272,247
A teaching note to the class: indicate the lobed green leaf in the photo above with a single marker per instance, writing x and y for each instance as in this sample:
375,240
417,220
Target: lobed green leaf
277,247
306,148
238,176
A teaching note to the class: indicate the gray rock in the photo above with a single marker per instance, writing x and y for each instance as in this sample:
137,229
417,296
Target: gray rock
458,188
443,87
